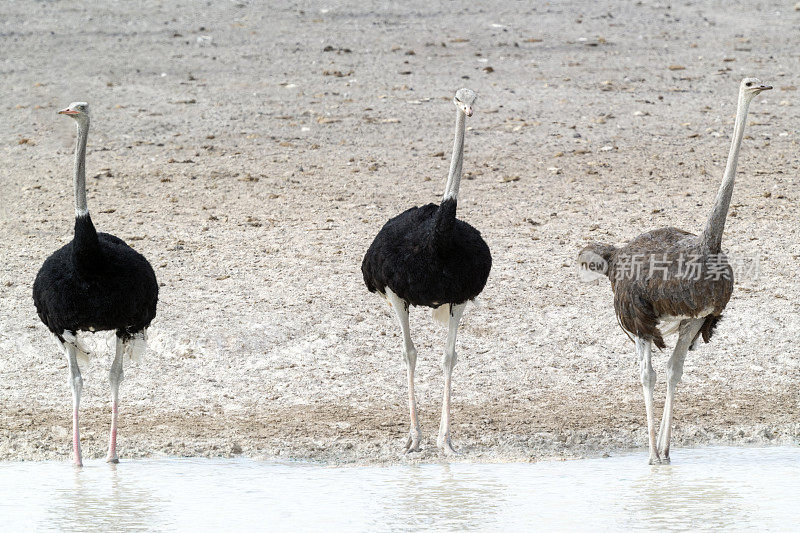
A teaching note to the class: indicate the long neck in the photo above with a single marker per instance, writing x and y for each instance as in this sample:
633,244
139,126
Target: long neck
454,178
712,234
80,169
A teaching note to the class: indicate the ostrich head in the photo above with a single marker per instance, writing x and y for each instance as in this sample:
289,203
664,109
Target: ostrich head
77,110
750,87
594,261
464,99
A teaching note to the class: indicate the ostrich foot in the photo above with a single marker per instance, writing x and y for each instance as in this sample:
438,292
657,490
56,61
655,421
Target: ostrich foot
112,459
654,460
444,444
412,444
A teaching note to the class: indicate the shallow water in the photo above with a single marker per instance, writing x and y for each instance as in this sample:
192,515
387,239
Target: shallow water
710,488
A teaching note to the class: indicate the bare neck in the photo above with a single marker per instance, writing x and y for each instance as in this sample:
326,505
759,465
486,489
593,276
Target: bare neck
454,178
80,169
712,234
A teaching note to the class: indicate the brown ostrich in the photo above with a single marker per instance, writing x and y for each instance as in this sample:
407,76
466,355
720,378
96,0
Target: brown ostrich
671,281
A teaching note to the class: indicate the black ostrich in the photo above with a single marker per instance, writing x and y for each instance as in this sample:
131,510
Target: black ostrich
94,283
425,256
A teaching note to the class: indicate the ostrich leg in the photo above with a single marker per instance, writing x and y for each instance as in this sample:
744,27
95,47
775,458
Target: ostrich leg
76,384
400,307
648,376
115,375
687,332
449,361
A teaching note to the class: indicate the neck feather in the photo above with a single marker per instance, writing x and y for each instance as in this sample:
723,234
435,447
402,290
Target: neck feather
454,178
80,169
712,234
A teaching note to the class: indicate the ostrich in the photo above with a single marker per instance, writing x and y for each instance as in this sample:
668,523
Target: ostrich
96,282
671,281
425,256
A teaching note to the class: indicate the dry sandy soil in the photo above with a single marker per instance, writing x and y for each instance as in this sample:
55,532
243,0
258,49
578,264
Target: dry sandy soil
252,153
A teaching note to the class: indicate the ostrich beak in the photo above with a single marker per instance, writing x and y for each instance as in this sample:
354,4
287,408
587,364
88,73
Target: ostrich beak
465,108
765,87
67,111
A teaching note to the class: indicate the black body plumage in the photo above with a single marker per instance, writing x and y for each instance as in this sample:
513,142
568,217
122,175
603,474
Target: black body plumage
96,282
428,257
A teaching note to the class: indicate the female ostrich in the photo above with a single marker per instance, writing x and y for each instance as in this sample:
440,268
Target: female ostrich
425,256
671,281
96,282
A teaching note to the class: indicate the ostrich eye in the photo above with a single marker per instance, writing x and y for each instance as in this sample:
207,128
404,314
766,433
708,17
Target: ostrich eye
749,83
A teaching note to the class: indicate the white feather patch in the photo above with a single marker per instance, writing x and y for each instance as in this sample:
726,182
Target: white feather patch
669,325
135,347
83,354
441,314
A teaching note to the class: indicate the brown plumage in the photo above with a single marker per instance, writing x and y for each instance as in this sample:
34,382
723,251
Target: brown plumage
672,281
664,284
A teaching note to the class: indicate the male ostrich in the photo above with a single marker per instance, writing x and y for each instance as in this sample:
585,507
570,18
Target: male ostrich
425,256
96,282
670,281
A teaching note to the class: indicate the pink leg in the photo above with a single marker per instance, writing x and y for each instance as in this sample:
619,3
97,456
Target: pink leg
115,375
76,384
76,439
112,439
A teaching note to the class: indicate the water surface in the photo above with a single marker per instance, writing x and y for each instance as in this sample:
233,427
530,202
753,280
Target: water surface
710,488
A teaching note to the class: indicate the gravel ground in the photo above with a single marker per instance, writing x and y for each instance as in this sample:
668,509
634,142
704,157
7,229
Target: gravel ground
252,153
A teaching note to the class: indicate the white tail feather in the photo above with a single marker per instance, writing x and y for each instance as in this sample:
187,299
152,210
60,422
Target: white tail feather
441,314
135,347
82,352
